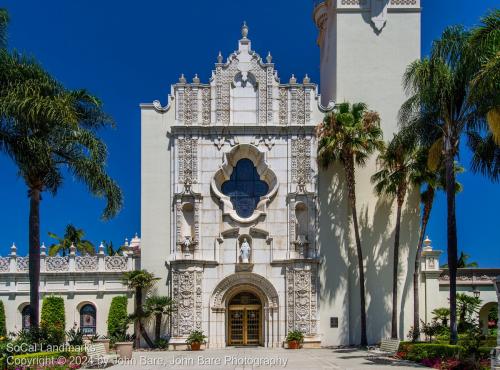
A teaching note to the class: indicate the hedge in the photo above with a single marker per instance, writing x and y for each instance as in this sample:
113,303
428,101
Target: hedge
53,319
117,315
3,330
420,351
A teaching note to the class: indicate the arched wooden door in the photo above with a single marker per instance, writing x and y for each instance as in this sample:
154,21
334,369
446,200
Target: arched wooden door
244,320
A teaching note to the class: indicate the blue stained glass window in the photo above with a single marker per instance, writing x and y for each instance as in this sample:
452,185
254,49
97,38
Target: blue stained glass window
245,188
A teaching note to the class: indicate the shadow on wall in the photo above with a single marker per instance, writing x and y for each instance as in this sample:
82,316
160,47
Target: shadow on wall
339,268
333,243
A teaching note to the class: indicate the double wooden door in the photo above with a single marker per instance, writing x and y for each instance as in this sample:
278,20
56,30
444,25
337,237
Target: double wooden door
245,325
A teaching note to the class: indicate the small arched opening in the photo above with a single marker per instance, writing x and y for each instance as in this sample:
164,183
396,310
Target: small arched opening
88,319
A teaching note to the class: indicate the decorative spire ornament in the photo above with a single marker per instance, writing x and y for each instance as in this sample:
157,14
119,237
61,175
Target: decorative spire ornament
244,30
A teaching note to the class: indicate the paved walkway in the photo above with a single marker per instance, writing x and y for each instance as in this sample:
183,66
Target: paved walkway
261,358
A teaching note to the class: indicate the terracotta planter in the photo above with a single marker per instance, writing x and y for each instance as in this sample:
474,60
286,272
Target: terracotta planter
293,344
195,346
124,349
105,342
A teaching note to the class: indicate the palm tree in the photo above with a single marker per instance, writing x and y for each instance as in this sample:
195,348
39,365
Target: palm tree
72,236
485,41
439,110
398,162
463,262
432,181
350,135
4,22
442,313
110,249
141,281
158,306
49,131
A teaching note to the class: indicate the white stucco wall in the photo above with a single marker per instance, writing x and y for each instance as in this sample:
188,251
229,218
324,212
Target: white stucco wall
156,203
359,64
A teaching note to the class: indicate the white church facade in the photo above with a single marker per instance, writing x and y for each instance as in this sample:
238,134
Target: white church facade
231,163
248,235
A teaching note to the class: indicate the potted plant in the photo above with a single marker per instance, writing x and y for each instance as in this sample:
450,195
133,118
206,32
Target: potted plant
124,344
195,339
101,339
294,339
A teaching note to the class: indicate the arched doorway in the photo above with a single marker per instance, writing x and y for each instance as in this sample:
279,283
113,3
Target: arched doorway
244,320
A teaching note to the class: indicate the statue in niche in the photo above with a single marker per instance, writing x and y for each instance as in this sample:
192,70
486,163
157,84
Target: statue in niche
245,251
187,243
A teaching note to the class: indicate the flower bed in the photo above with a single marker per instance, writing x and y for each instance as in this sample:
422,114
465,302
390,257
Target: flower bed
443,356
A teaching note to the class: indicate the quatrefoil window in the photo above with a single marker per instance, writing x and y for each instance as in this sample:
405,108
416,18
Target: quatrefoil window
245,188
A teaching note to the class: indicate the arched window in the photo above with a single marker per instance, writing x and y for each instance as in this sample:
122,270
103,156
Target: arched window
87,319
25,318
245,188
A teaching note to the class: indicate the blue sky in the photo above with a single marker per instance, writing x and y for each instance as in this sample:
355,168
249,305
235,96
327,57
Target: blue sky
128,52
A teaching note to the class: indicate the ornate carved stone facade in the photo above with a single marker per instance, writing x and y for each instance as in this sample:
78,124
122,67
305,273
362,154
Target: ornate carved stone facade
187,290
302,299
301,160
244,157
188,160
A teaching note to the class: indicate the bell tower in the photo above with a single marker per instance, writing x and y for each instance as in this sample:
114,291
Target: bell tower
365,48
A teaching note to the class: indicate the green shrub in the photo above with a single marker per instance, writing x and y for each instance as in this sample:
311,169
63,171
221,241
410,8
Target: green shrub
420,351
53,319
3,330
117,317
295,335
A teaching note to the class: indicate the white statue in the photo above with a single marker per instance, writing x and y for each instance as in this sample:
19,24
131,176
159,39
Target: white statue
187,243
245,251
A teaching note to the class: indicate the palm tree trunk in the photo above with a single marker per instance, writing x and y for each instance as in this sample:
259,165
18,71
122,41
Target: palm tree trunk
138,327
137,322
34,256
452,235
157,327
351,185
416,273
395,268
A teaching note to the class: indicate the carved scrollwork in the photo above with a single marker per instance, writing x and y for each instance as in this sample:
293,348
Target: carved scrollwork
4,264
301,160
22,263
57,263
115,263
302,300
188,160
186,287
244,278
86,263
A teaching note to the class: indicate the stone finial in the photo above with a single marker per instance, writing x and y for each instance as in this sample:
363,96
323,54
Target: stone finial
269,57
244,30
182,79
125,244
13,249
196,79
427,244
135,243
220,58
306,79
72,249
101,248
293,80
43,250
